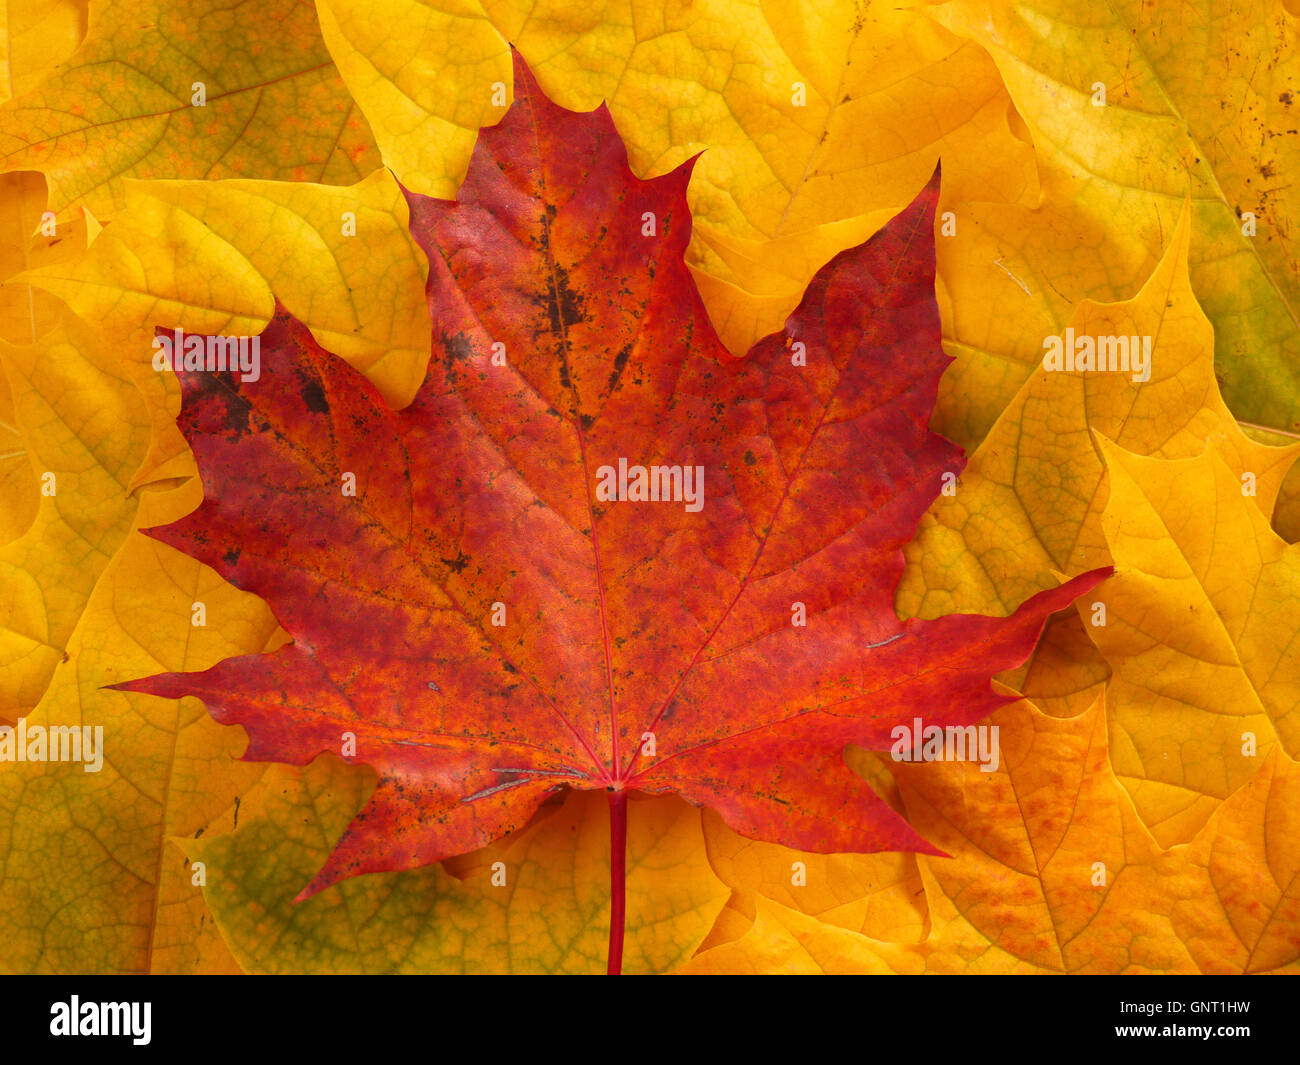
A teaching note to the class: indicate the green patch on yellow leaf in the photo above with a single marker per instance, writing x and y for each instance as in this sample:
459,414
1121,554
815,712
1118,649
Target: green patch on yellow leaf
535,902
197,90
91,883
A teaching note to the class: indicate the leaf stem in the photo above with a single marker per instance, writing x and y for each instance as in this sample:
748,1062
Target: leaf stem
617,877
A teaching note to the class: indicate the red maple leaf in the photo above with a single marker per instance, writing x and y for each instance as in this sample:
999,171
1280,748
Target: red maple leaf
495,614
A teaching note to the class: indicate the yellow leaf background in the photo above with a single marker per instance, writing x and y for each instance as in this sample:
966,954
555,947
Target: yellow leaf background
816,122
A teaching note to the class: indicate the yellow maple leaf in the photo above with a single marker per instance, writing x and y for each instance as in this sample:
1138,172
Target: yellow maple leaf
1030,499
199,90
83,429
1126,126
341,258
1199,632
31,238
166,769
1029,503
35,37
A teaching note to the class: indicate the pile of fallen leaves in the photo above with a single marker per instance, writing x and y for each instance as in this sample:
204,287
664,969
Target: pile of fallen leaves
811,254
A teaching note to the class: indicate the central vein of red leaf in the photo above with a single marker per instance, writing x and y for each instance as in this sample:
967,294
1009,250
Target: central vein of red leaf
609,775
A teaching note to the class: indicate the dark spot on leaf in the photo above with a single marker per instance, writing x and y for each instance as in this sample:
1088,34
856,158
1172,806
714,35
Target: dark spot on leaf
566,301
313,395
458,347
620,361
